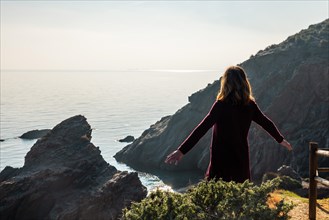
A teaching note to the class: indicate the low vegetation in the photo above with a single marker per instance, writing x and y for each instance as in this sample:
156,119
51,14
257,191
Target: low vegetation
212,200
300,210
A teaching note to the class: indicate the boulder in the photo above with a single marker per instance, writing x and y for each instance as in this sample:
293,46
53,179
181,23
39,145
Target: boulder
290,172
34,134
65,177
127,139
286,182
290,83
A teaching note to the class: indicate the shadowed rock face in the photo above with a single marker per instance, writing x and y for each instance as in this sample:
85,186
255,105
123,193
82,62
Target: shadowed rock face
290,83
34,134
65,177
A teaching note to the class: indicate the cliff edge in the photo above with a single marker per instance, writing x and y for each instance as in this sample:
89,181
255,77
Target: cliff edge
290,83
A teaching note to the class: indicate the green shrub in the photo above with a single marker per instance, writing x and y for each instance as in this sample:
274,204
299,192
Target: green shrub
211,200
285,182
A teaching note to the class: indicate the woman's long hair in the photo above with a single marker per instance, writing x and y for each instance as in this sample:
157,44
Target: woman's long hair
235,87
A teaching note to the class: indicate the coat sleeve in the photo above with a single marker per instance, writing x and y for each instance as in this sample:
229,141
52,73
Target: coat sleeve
267,124
200,130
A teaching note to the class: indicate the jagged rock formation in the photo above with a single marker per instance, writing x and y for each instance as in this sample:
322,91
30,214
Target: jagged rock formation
290,83
65,177
288,171
34,134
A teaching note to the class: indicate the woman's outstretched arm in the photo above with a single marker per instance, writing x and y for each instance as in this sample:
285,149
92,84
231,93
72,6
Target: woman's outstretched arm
269,126
174,157
195,135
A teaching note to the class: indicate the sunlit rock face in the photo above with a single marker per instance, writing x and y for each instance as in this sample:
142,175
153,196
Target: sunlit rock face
290,84
65,177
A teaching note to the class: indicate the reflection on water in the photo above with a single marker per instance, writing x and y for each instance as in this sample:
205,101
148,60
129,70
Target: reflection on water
116,104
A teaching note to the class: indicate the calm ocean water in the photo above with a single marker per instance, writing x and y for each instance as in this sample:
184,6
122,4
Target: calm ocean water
116,104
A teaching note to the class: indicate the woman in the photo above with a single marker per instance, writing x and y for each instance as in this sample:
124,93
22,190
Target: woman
230,117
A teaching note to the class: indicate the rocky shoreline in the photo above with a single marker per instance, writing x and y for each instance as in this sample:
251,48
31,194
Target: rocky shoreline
65,177
290,82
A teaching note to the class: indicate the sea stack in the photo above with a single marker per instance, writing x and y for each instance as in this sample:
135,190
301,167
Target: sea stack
65,177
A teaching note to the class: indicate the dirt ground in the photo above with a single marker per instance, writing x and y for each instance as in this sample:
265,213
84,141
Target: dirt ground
300,211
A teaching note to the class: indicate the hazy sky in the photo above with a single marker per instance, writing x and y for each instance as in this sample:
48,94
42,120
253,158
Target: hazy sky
114,35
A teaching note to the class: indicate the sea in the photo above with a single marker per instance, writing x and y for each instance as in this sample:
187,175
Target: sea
115,103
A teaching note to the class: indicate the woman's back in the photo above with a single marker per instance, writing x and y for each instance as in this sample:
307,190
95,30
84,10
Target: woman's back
233,122
230,117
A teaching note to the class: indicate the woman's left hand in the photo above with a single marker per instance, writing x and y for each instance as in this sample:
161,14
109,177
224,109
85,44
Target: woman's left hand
286,144
174,157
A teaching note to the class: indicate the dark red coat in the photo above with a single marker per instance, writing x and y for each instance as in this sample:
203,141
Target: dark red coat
229,150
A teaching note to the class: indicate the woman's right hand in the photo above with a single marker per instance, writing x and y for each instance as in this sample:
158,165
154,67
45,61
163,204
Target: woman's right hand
286,144
174,157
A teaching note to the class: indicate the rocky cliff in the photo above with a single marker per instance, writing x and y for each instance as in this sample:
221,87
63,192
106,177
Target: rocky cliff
65,177
290,83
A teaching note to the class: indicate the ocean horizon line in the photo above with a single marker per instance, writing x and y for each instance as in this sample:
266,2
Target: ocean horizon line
111,70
